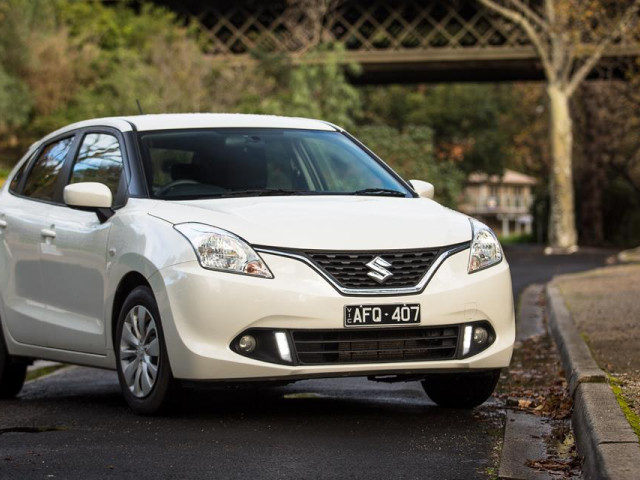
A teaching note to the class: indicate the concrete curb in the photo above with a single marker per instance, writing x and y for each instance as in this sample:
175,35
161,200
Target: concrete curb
603,435
579,365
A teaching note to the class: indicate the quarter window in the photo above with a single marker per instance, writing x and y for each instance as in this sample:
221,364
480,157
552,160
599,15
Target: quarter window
15,181
42,179
99,160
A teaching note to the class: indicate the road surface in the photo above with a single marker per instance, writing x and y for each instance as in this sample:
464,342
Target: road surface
75,424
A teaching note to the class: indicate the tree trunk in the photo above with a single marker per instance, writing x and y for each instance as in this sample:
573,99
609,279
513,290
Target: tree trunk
562,225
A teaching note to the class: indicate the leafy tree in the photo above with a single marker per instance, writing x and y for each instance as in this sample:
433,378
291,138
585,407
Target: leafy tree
466,119
411,153
314,85
15,104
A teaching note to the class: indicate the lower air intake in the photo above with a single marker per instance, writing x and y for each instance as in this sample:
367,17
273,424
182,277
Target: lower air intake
322,347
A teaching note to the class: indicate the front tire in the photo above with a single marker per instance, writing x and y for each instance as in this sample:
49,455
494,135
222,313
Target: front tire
12,372
141,355
462,390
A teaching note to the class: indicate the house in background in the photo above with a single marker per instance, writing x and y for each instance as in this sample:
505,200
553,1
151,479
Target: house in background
502,202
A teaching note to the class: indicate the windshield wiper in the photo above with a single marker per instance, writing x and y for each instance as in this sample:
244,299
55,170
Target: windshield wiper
379,191
264,192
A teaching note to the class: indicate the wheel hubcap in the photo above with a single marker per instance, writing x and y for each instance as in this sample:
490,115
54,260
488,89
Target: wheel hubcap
139,351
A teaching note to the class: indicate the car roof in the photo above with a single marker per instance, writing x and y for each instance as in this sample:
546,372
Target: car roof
224,120
175,121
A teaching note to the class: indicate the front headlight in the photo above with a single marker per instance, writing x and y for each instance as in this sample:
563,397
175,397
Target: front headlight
485,247
218,249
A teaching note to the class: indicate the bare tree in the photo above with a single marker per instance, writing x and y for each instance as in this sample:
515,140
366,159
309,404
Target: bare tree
570,37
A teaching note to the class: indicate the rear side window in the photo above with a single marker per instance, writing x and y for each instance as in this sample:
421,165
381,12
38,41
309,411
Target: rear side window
42,179
99,160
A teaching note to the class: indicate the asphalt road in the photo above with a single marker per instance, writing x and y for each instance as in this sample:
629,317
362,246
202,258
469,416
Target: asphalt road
530,265
75,424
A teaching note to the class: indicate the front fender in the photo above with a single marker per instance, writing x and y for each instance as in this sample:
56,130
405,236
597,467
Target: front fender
139,243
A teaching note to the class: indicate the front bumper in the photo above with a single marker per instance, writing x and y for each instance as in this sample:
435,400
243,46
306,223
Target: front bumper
203,311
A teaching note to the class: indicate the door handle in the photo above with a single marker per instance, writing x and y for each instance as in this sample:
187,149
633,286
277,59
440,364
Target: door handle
48,233
3,224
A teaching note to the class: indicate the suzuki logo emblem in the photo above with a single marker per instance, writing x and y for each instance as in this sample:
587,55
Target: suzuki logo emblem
379,270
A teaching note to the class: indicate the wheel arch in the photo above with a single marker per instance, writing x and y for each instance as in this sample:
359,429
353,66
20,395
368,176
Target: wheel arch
128,283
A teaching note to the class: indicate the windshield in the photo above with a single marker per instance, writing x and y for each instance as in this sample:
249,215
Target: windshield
192,164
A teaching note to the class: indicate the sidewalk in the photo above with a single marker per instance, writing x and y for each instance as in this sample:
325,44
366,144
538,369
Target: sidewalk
605,306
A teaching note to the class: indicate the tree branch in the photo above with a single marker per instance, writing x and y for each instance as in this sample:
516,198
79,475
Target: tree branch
570,58
531,14
518,18
595,57
550,11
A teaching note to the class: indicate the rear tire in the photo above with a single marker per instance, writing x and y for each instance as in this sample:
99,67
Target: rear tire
13,372
141,355
461,390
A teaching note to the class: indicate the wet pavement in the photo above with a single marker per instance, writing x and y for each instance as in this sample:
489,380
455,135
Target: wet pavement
344,428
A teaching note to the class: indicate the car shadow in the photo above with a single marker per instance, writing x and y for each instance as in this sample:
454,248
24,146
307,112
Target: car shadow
79,392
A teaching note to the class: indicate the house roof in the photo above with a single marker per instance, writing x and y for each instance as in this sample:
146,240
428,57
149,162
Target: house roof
510,177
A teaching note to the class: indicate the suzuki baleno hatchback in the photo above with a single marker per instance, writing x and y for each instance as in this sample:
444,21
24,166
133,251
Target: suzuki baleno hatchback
235,248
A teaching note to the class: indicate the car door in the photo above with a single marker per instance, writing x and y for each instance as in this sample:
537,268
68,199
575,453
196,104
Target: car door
24,232
74,267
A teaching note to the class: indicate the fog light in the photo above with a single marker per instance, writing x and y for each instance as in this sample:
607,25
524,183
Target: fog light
283,346
480,335
466,341
247,344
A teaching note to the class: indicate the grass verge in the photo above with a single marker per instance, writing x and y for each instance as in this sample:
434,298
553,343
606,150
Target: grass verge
41,372
632,417
516,239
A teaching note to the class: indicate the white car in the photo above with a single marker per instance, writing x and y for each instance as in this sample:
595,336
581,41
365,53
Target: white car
202,247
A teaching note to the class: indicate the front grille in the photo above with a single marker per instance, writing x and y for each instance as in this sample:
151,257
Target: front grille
375,345
349,269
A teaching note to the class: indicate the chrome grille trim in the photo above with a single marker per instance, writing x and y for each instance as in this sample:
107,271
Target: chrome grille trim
401,268
444,253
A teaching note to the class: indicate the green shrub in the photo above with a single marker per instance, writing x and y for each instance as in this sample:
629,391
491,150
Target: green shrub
411,153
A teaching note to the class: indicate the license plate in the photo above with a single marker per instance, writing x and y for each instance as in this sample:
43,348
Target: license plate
366,315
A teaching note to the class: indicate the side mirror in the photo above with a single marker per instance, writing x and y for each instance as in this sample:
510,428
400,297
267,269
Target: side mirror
88,195
424,189
91,196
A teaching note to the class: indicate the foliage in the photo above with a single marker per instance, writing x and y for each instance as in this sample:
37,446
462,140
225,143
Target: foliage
310,88
14,101
516,239
411,153
469,117
467,120
64,60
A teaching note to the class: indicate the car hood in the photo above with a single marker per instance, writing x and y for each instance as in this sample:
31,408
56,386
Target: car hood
326,222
